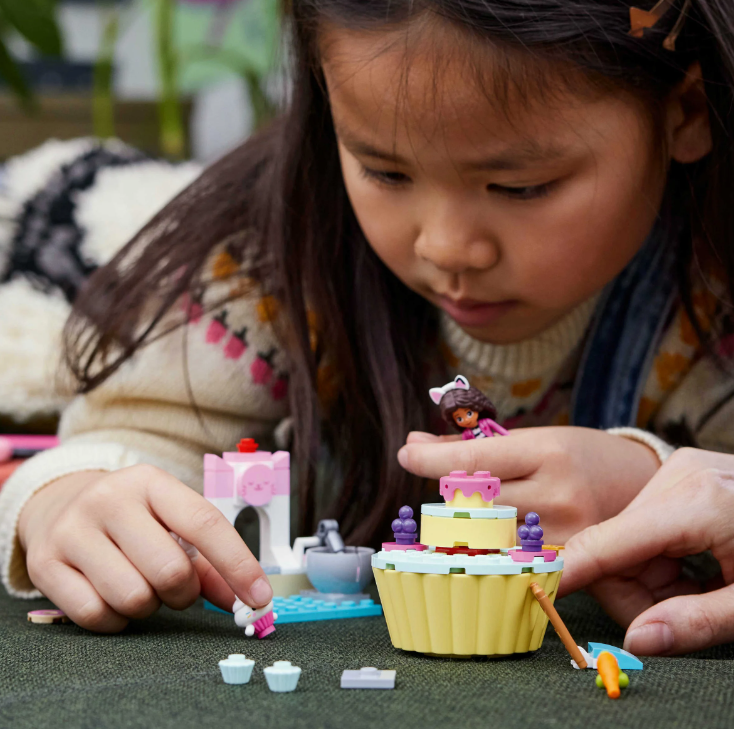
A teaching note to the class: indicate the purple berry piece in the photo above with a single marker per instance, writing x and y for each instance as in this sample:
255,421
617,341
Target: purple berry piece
523,532
531,518
409,526
397,525
535,532
406,512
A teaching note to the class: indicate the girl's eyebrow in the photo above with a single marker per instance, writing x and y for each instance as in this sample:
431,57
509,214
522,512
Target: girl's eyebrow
515,157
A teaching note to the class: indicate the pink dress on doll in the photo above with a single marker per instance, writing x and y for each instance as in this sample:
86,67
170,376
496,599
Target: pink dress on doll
486,428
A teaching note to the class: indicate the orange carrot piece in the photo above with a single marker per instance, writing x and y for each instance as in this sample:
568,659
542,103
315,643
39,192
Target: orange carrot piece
608,669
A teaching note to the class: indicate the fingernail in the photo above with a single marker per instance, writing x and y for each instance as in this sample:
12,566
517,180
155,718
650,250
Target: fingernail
260,593
403,457
649,640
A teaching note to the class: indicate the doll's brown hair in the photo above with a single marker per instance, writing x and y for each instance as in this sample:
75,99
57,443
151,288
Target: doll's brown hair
471,398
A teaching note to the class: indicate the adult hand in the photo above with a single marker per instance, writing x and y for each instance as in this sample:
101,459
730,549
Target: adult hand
571,476
631,563
98,545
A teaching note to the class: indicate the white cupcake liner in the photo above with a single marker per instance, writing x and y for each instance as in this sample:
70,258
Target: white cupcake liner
236,669
282,676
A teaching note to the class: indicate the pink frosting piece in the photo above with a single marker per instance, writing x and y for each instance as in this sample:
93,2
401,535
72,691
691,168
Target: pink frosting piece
481,482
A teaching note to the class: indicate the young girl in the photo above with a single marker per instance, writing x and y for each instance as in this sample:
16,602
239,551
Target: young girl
533,193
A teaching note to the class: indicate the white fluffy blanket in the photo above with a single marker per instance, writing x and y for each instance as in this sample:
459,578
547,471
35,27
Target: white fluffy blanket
65,208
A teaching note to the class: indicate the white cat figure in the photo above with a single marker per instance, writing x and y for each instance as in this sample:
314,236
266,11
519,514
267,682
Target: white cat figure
255,622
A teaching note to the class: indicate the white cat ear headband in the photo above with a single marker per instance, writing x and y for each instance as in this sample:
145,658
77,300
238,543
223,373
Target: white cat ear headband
460,383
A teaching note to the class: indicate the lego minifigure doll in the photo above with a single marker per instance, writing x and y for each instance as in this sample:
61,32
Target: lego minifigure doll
467,409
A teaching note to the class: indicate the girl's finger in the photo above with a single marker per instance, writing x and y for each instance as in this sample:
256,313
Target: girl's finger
213,586
507,457
160,559
115,578
72,592
683,624
192,517
418,436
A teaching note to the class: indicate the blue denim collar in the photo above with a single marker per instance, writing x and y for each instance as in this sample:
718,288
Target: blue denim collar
628,323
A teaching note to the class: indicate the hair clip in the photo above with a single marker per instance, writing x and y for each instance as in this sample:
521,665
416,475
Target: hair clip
459,383
641,19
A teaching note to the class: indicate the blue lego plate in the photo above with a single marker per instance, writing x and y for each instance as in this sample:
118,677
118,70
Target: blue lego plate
297,609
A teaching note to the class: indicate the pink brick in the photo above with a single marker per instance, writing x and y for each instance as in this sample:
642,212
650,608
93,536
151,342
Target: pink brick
519,556
395,547
218,478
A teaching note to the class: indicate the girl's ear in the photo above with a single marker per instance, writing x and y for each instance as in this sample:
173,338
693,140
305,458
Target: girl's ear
687,119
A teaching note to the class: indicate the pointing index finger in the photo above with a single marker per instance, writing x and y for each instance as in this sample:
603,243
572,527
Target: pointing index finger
203,525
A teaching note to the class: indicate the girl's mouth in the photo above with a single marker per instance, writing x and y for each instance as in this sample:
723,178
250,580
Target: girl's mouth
472,313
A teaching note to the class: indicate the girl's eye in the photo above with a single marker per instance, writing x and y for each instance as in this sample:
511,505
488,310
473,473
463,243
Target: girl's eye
459,419
522,193
391,179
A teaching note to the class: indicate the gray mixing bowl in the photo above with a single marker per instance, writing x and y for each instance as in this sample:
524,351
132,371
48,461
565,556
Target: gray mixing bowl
349,571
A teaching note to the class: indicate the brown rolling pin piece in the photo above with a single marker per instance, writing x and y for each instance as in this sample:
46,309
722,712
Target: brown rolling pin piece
558,624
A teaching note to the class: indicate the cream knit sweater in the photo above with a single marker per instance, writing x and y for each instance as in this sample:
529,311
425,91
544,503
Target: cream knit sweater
235,370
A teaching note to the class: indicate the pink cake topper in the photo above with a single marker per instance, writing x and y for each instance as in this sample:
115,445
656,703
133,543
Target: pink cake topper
482,482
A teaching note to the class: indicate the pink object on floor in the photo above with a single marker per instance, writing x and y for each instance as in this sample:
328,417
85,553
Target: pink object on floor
6,450
32,442
264,626
519,556
481,482
395,547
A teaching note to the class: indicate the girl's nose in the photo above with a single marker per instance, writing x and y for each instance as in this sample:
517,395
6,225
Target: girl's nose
454,246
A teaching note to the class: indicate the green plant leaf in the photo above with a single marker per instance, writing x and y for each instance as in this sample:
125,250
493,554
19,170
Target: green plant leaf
14,78
35,20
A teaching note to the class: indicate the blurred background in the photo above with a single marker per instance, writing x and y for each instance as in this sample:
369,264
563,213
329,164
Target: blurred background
178,78
108,109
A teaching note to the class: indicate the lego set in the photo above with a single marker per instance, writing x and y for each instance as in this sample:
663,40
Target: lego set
472,584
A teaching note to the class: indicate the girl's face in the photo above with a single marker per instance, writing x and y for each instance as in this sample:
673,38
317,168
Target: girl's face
506,216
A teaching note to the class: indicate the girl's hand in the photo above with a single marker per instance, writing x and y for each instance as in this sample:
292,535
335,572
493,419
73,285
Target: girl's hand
631,563
98,546
573,477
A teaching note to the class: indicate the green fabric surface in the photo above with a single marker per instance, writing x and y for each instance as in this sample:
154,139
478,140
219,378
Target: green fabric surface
162,672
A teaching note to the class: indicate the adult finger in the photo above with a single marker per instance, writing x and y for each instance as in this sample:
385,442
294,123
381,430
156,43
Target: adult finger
507,457
686,519
203,525
624,598
114,577
72,592
683,624
683,464
160,559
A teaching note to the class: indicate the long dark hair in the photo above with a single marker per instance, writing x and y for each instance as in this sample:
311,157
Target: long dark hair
281,201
